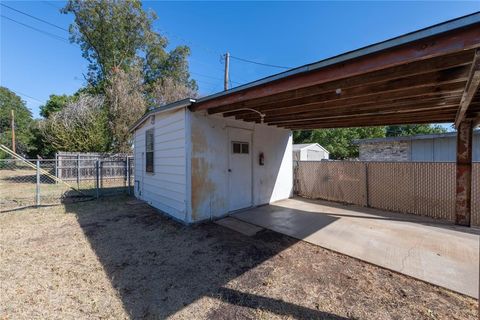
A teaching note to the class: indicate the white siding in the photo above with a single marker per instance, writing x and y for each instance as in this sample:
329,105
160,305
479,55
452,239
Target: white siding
209,156
165,188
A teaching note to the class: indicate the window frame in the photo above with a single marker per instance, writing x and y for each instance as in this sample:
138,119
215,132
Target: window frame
150,154
241,146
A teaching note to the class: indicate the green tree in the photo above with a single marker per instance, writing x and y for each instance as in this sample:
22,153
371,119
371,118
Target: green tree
23,122
82,126
413,129
129,63
55,103
302,136
118,34
339,141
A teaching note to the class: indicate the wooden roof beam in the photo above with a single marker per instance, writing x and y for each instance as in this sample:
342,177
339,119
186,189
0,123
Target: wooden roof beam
471,89
450,107
375,98
425,114
396,105
418,68
454,74
343,124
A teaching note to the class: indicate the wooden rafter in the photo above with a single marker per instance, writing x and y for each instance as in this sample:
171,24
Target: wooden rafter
387,79
471,89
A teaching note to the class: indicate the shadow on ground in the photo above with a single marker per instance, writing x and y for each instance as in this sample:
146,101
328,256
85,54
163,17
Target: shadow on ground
159,266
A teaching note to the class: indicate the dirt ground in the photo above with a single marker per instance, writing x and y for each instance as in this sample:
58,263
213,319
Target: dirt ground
114,259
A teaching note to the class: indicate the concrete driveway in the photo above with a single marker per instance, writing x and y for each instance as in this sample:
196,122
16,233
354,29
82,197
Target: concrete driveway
435,252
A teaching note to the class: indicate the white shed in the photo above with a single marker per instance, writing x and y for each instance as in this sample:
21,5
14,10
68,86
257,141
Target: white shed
309,152
195,166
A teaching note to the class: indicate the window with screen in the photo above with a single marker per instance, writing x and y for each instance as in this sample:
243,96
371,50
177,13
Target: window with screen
149,144
240,147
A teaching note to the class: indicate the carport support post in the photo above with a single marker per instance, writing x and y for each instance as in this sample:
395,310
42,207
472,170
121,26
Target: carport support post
463,201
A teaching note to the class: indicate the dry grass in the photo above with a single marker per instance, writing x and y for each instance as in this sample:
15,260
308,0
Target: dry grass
110,259
18,188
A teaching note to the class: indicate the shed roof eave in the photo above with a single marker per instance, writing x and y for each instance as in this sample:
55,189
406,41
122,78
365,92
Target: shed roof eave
171,106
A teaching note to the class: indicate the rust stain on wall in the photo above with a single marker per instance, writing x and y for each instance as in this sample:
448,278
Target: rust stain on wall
202,186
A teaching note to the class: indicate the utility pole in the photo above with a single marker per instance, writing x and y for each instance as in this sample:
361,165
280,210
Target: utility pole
225,80
13,131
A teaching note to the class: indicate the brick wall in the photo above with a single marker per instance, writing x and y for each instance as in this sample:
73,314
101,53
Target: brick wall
385,151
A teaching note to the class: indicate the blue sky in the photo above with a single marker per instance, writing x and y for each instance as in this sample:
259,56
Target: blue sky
288,34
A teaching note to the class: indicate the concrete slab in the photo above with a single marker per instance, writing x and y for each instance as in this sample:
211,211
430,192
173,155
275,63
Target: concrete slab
243,227
435,252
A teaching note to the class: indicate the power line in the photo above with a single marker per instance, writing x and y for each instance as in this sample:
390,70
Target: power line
216,53
33,17
214,78
26,95
51,4
57,37
206,82
259,63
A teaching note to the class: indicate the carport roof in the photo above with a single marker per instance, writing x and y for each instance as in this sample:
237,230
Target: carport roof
430,75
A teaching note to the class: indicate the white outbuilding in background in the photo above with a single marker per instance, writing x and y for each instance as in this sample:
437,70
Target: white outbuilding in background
309,152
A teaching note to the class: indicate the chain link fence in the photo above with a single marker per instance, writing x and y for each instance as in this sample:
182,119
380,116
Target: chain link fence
50,181
421,188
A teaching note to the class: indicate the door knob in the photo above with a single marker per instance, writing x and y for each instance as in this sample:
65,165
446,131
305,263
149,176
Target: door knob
229,170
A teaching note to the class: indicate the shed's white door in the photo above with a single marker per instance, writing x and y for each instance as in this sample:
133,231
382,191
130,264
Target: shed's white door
239,169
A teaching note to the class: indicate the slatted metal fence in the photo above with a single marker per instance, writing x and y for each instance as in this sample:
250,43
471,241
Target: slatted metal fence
421,188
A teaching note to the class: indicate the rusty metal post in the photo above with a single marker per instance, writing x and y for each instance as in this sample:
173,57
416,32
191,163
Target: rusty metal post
463,202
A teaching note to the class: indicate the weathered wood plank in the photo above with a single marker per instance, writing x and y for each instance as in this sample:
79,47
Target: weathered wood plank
471,89
455,74
375,98
412,109
403,106
463,200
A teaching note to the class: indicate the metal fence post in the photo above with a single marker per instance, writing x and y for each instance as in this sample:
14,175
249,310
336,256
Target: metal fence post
78,171
97,173
128,175
37,189
56,167
367,192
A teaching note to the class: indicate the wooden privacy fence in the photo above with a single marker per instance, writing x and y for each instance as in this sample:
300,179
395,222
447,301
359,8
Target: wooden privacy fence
421,188
81,166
